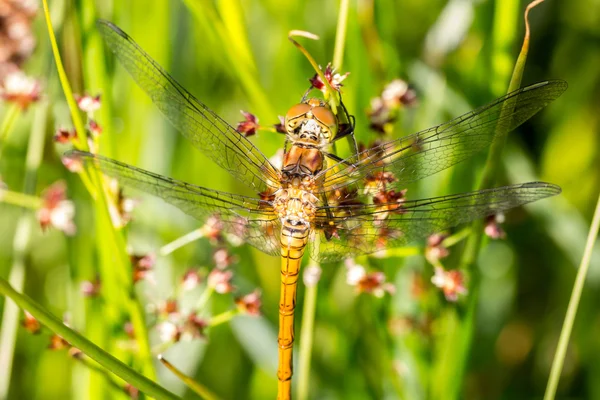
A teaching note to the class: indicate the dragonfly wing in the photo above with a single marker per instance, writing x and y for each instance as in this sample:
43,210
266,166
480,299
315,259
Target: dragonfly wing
251,220
206,130
424,153
348,231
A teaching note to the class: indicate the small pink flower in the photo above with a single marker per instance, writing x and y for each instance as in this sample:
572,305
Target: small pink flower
90,288
451,283
335,80
131,391
373,283
64,135
31,324
18,88
435,249
249,126
380,181
121,207
390,200
142,267
312,275
223,259
220,281
195,326
88,104
168,332
212,229
128,329
355,272
280,127
57,343
94,127
169,308
250,303
397,93
492,226
191,279
73,164
56,210
75,352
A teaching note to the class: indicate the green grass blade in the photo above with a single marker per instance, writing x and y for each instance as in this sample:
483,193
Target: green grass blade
565,334
90,349
198,388
21,242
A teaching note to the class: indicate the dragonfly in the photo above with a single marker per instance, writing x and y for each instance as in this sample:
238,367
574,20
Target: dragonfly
342,207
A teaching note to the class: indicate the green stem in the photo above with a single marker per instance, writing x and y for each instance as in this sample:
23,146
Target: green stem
204,297
10,317
307,329
90,349
457,237
340,35
223,317
180,242
565,334
198,388
162,347
20,199
7,123
64,81
93,367
119,269
492,166
403,251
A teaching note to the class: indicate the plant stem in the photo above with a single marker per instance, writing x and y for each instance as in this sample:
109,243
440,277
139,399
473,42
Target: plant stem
457,237
565,333
491,168
180,242
64,81
7,123
340,35
90,349
198,388
10,318
311,278
223,317
204,297
20,199
403,251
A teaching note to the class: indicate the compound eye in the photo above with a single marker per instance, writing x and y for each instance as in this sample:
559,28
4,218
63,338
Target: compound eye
295,115
297,111
325,116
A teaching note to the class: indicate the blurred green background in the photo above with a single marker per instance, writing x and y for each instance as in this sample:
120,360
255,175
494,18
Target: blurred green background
234,55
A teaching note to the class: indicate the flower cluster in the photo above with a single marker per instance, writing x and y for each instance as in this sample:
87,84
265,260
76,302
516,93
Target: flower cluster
175,323
249,125
57,211
385,109
16,46
367,282
18,88
450,282
333,78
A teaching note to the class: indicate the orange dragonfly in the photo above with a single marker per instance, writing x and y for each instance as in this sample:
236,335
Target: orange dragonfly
344,208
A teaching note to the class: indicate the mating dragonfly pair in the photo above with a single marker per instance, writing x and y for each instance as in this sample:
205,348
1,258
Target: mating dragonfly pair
344,208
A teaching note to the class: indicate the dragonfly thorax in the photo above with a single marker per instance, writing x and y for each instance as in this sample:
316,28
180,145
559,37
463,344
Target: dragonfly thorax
300,166
295,206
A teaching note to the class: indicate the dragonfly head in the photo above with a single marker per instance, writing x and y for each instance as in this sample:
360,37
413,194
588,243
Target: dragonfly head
311,122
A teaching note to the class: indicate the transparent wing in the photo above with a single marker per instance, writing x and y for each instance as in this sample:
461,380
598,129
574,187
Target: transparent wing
208,132
424,153
348,231
250,219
